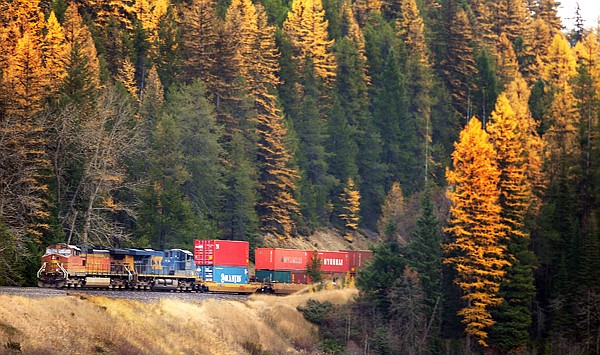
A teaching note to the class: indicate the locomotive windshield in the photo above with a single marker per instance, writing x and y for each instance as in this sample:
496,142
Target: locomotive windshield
62,252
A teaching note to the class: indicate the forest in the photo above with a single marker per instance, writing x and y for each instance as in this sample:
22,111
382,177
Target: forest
465,134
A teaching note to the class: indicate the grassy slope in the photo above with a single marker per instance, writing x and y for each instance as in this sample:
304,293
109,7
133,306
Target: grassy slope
94,324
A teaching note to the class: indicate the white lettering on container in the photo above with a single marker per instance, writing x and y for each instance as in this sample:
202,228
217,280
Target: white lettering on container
231,278
292,260
333,262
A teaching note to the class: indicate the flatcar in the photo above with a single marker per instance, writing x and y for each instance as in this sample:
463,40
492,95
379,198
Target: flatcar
66,265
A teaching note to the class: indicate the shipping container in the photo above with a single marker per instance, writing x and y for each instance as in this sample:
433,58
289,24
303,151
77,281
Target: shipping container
300,277
357,259
223,274
280,259
334,261
221,252
274,276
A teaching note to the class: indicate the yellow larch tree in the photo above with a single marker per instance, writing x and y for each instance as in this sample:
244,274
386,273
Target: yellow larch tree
475,229
507,66
200,40
392,210
24,78
351,206
587,52
509,137
149,14
563,149
306,27
509,134
126,75
258,59
411,29
518,94
366,8
79,41
55,52
353,31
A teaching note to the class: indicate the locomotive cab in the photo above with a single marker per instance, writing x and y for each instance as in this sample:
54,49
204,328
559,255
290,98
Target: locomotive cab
58,262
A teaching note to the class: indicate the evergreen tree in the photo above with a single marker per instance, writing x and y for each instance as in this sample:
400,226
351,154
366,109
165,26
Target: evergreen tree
239,220
475,250
166,218
485,95
201,150
313,268
424,254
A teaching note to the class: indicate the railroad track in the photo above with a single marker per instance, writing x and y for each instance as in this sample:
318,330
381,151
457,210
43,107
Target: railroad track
142,296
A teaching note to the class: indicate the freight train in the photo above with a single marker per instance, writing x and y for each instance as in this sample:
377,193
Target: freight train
214,265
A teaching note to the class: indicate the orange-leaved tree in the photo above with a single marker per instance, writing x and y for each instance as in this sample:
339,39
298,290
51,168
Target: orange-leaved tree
475,229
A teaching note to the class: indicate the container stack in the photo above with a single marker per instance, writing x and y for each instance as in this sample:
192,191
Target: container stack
222,261
281,265
289,265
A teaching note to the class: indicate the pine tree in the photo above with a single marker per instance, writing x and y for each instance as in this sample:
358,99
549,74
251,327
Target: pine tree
167,57
486,93
239,220
475,229
166,218
424,254
201,150
316,180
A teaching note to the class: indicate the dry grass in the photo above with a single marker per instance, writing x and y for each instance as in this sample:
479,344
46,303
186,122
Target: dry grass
93,324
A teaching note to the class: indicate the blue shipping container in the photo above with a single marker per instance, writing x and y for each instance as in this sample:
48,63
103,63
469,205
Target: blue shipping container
223,274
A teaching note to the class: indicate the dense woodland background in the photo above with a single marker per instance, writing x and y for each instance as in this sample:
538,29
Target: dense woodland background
465,133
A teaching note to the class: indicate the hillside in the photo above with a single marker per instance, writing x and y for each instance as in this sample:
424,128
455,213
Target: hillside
325,239
84,324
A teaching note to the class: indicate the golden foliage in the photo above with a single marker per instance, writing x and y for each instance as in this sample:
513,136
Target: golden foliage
306,28
411,28
392,210
351,206
79,39
475,228
25,77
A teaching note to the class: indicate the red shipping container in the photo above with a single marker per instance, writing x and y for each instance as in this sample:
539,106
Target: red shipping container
358,258
221,252
334,261
280,259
